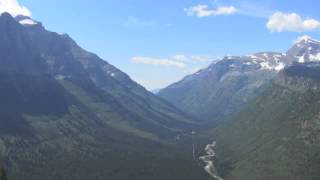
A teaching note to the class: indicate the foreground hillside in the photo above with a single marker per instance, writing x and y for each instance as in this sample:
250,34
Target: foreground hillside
277,135
67,114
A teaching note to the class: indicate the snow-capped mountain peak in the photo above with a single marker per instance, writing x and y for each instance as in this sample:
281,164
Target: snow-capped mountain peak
305,49
306,40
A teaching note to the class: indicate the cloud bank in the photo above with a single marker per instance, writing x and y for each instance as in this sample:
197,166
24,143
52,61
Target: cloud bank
14,8
280,22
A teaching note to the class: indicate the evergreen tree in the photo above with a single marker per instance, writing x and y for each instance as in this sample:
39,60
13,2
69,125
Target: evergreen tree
3,175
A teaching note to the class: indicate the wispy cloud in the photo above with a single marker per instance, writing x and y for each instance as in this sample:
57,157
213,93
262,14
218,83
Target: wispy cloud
280,22
241,7
177,61
14,8
201,59
194,70
253,9
277,21
159,62
203,10
182,64
180,57
132,21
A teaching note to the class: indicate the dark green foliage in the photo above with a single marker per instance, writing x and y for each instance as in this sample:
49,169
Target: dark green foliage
276,136
3,174
310,70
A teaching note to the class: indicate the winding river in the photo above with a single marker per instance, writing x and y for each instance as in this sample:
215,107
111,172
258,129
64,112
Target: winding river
208,160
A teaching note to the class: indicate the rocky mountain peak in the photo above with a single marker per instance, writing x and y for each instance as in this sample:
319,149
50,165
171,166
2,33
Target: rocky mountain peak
258,61
305,49
6,17
307,40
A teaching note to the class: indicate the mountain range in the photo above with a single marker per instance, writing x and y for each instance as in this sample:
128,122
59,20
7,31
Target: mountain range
276,136
225,87
264,109
65,113
68,114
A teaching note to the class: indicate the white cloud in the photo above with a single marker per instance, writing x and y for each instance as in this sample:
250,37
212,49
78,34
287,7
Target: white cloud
195,59
14,8
204,11
225,10
254,9
180,57
201,59
179,60
279,22
159,62
136,22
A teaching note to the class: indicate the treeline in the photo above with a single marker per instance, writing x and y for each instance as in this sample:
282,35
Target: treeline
3,174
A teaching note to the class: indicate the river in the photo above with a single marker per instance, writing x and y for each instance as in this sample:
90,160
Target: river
208,159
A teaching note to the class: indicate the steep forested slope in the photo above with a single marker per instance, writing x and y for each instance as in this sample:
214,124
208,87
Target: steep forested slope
277,135
67,114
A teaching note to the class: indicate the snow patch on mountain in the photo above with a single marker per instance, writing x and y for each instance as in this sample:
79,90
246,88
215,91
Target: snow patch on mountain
315,57
27,22
267,61
266,66
280,66
301,59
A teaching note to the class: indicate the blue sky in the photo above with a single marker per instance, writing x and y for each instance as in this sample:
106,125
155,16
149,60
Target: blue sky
159,42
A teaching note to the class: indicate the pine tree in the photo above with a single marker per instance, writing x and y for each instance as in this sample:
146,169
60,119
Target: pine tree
3,175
